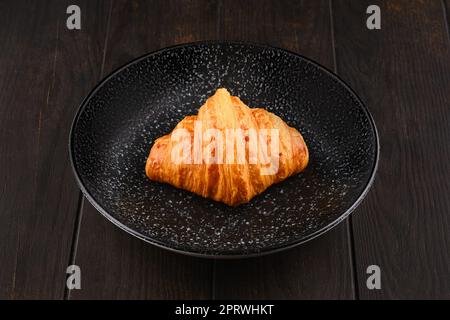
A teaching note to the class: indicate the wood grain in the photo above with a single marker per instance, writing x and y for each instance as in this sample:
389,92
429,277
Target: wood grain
45,68
403,73
114,264
446,8
321,268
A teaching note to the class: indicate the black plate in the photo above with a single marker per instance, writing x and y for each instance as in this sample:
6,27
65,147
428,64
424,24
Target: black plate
117,123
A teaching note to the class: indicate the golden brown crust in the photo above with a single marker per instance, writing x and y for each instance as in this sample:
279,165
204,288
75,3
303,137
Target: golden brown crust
235,183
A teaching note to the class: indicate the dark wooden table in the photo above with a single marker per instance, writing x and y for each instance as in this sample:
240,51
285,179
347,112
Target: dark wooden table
402,72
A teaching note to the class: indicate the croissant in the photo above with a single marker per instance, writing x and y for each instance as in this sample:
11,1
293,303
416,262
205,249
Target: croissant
228,152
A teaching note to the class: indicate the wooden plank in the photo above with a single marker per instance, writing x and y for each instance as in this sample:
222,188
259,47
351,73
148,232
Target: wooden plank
113,263
403,73
45,68
322,267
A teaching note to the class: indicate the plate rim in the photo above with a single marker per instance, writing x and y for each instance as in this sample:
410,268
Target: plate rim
265,250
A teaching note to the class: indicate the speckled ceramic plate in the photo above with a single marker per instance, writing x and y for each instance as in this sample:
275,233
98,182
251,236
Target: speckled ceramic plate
117,123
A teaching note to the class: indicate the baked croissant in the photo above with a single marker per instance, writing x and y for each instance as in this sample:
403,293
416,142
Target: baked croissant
228,152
